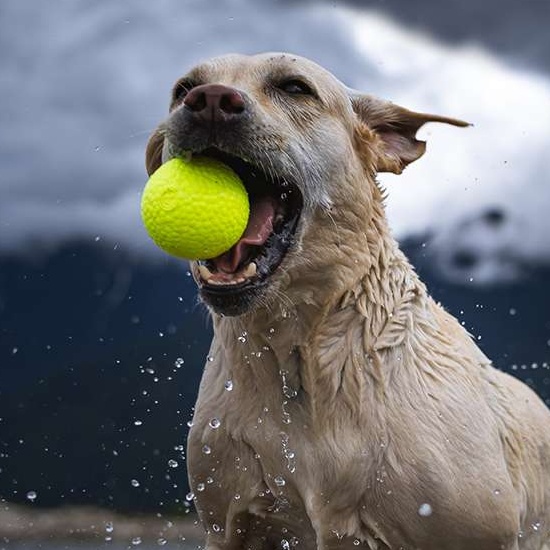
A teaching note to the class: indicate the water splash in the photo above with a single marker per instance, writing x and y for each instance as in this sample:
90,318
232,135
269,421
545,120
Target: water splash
215,423
288,453
279,481
425,510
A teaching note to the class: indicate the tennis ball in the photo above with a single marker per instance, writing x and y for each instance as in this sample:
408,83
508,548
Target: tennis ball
195,209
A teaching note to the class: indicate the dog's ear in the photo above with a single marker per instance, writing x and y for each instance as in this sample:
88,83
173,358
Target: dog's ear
396,129
153,151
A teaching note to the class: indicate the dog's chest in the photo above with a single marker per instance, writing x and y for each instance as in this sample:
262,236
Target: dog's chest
270,443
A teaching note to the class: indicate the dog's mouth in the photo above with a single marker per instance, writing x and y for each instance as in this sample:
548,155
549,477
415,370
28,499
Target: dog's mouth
275,208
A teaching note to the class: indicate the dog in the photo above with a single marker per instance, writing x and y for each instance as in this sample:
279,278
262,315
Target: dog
340,406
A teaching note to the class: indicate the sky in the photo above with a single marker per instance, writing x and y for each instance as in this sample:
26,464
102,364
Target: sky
82,84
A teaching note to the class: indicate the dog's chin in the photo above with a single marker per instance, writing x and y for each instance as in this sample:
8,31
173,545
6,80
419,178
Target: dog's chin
240,279
233,302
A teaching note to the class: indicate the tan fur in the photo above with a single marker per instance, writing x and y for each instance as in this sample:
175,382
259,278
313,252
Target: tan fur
359,405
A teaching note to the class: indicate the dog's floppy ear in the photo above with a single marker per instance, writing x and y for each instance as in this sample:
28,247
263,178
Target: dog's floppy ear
396,128
153,152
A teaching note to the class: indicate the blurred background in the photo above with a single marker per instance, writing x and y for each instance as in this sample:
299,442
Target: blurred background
102,340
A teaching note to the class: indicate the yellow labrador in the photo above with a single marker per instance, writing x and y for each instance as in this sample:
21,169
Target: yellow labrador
340,406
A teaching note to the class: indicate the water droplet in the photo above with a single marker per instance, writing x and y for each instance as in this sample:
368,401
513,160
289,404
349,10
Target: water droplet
136,541
134,483
289,392
161,541
209,480
200,487
237,496
189,423
279,481
285,545
179,362
206,449
242,337
189,496
138,422
356,542
496,492
215,423
228,385
32,495
425,510
216,528
535,526
173,463
294,541
210,358
109,527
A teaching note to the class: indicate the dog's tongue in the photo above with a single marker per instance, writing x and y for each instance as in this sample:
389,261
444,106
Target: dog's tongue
260,226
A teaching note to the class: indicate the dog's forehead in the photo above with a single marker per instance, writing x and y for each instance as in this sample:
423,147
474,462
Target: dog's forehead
235,68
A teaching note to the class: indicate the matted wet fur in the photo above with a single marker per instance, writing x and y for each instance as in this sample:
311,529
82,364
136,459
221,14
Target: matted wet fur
341,407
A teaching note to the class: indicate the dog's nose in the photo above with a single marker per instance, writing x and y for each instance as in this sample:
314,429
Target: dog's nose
215,102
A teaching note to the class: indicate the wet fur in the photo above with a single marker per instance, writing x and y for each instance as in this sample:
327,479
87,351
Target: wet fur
350,384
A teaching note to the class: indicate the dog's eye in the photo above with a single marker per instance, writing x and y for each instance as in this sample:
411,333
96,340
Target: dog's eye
294,86
181,89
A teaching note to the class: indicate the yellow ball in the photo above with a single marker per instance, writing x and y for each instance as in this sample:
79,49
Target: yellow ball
195,209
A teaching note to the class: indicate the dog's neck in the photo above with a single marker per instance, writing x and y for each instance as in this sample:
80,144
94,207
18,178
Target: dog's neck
308,344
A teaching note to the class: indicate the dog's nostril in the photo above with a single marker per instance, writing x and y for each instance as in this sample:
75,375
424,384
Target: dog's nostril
232,103
195,101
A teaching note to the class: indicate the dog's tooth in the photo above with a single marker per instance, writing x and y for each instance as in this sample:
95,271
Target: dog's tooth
250,270
226,282
204,272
